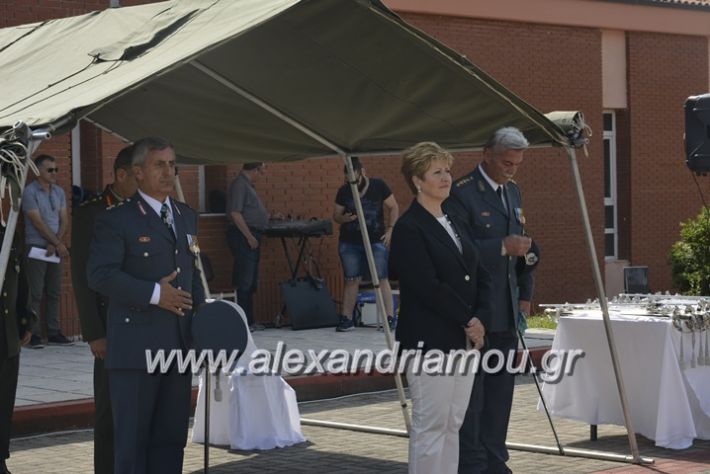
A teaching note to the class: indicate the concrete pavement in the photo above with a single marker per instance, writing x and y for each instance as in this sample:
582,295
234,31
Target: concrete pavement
55,379
337,451
64,373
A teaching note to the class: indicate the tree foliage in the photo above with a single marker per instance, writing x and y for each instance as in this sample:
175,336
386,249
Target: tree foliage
690,256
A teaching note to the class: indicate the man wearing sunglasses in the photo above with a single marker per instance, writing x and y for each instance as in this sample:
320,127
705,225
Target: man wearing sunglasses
45,208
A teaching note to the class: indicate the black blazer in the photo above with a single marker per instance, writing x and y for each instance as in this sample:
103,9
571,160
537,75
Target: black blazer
441,289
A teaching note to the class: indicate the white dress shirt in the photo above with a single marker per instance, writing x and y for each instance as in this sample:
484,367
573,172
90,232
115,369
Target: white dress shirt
156,205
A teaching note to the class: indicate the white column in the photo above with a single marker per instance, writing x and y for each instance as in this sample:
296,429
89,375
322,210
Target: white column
76,156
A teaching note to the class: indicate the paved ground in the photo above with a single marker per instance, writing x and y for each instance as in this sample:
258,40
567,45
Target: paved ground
329,450
61,373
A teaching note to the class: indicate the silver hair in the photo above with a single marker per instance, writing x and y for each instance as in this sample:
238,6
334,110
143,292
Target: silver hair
142,147
507,138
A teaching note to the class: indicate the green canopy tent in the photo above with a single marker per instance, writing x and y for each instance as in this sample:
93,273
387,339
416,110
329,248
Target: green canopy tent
265,80
350,71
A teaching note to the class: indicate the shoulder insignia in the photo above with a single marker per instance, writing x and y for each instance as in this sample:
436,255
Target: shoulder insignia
463,181
89,201
114,206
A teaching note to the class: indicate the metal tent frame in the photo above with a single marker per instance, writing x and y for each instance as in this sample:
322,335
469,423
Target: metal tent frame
345,152
42,134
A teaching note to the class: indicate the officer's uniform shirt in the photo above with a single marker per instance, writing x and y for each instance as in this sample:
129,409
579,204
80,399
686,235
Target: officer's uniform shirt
494,186
157,206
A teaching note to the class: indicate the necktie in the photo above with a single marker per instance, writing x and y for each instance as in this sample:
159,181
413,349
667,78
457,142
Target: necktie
165,217
499,191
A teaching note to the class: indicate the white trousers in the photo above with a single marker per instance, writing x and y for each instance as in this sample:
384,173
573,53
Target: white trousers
439,405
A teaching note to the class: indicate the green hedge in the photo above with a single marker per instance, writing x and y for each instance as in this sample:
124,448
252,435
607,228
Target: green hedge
690,256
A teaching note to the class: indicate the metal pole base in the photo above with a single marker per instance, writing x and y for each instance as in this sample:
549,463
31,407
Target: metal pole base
579,453
569,452
351,427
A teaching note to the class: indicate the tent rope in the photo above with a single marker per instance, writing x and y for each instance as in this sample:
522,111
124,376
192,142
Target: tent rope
14,156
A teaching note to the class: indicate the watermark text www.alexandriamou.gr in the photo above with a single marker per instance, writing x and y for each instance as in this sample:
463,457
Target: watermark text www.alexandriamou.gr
554,364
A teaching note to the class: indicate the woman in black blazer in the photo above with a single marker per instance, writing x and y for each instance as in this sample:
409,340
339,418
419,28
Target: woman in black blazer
443,306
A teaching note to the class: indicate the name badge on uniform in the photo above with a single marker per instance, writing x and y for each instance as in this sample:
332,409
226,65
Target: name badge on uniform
193,245
519,215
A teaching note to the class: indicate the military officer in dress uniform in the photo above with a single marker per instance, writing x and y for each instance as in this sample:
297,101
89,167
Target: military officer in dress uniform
14,331
142,258
490,202
93,306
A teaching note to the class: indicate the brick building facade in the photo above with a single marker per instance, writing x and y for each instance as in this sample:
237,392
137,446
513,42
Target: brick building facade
554,58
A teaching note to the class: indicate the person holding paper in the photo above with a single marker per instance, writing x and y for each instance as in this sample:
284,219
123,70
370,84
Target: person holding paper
46,223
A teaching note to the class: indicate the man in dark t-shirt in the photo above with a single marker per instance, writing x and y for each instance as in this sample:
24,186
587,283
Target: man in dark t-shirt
375,195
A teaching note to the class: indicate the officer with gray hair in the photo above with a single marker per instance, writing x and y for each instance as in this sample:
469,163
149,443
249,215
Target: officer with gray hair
490,202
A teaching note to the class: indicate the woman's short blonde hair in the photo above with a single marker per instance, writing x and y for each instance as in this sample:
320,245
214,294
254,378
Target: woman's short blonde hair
417,160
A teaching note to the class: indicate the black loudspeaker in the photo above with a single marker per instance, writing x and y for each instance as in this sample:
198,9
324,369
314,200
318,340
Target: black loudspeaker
697,133
309,304
636,280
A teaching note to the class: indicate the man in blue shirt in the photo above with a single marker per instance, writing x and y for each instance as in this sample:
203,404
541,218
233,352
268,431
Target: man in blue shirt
46,224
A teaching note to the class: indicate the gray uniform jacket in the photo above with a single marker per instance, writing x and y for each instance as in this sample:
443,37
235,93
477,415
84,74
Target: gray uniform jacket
473,200
132,250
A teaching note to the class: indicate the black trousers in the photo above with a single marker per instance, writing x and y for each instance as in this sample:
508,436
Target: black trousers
245,272
9,370
482,436
150,415
103,421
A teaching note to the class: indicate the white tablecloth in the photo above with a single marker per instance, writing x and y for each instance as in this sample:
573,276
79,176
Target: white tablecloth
668,404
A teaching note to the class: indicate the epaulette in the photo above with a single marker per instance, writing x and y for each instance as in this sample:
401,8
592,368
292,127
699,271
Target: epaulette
90,201
118,204
463,181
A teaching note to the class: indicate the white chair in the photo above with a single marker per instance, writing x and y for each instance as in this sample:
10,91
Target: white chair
255,411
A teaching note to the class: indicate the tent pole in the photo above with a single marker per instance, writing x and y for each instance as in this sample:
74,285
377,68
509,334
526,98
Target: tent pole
596,273
532,448
521,336
358,204
376,283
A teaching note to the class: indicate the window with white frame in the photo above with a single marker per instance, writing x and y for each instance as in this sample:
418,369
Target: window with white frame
611,230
